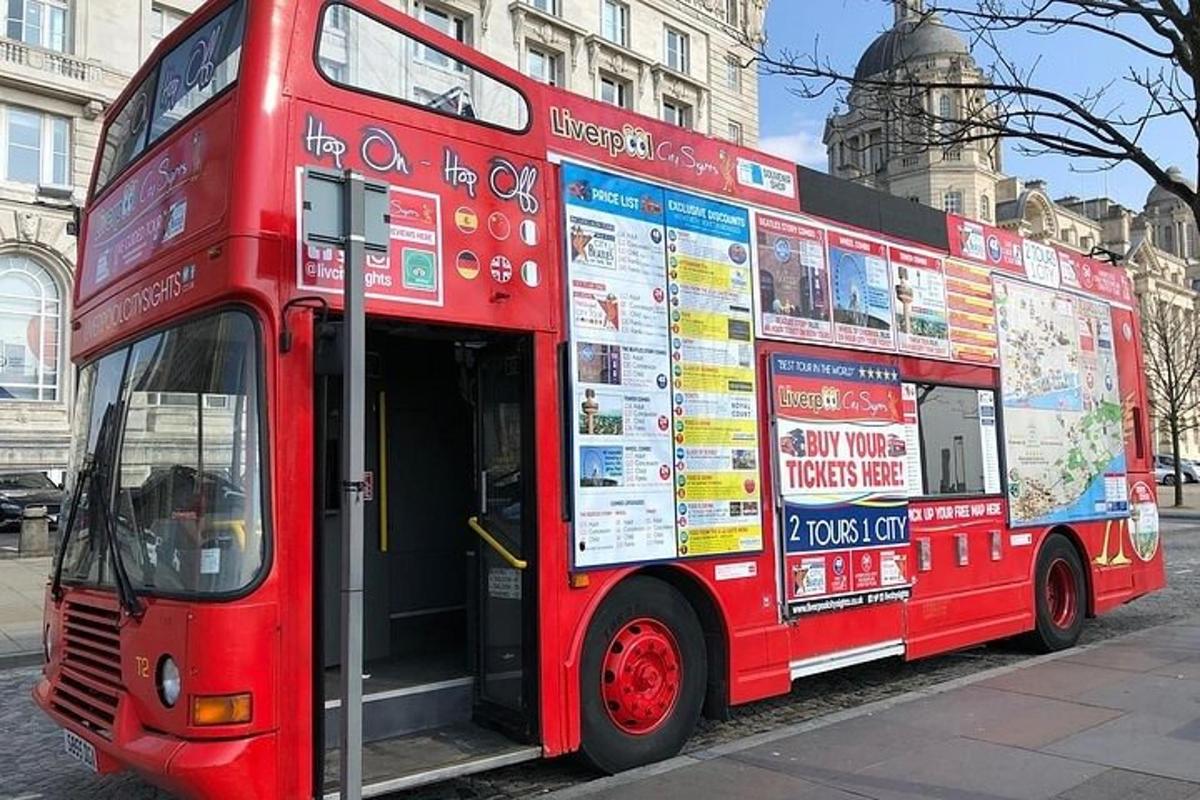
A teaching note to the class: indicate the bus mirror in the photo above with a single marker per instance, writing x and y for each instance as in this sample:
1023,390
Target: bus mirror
327,355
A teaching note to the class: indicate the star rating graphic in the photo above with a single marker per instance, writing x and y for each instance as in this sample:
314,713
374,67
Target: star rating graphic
873,374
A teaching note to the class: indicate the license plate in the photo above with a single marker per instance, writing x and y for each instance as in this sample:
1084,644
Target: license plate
80,749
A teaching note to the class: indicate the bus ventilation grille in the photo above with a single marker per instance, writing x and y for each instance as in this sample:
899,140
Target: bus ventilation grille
90,679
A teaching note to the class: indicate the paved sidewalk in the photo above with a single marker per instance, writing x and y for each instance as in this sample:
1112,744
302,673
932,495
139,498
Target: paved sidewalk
22,585
1119,720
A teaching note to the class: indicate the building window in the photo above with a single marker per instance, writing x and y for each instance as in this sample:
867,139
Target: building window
735,133
42,23
456,26
614,22
163,21
985,208
544,66
952,202
36,147
958,440
30,330
945,115
615,91
676,48
733,12
733,73
549,6
676,113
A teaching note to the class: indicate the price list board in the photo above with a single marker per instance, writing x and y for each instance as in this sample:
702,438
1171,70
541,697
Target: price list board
665,433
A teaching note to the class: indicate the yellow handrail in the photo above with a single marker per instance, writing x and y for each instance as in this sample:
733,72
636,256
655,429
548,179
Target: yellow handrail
513,561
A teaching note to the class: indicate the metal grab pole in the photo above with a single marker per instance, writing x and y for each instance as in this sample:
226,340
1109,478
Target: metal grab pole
353,444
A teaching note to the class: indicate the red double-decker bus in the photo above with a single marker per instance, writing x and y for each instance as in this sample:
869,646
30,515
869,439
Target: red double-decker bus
653,425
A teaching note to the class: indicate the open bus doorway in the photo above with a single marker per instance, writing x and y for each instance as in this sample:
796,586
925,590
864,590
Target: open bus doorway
449,612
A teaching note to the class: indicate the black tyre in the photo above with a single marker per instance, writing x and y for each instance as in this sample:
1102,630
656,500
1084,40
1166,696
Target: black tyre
1168,480
1060,594
643,676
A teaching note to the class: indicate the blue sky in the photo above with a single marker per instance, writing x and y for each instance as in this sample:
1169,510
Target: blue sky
842,29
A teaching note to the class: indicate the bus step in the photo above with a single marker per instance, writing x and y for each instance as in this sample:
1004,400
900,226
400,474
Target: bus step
405,762
406,709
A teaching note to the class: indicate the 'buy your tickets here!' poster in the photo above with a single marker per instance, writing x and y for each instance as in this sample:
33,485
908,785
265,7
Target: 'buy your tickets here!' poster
841,456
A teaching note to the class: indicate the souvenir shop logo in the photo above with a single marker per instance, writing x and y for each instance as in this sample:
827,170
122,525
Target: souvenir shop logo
628,140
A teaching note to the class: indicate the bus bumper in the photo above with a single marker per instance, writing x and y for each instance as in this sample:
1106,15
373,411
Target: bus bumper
225,768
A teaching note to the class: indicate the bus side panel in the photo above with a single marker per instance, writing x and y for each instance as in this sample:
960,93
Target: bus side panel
293,482
976,585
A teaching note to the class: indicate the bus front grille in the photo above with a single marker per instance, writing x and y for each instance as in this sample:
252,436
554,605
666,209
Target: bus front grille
89,682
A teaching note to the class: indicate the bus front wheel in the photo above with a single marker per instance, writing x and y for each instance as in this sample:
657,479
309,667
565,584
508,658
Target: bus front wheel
1060,595
643,675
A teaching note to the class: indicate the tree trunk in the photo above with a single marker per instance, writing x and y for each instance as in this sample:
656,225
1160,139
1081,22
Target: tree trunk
1178,466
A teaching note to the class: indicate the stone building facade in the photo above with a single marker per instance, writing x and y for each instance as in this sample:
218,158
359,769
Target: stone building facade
1159,245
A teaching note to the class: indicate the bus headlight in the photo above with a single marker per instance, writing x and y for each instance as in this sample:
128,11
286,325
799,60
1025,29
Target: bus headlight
169,682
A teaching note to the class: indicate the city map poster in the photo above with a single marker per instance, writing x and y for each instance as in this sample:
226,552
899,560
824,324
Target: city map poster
620,366
793,280
919,294
1063,419
862,288
717,486
841,459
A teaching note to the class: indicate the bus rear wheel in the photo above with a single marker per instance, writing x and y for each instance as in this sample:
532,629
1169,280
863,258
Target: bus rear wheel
643,675
1060,596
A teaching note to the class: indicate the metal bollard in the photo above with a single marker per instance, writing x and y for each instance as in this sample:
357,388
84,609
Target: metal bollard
35,532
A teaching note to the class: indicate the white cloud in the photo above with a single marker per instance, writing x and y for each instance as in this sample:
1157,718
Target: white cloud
802,147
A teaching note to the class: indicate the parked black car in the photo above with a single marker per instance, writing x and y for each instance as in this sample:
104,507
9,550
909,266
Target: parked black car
21,490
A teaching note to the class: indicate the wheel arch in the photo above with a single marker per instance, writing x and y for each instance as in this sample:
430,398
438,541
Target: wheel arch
709,612
716,633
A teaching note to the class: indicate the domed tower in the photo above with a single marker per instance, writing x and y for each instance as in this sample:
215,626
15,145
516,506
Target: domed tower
883,138
1169,222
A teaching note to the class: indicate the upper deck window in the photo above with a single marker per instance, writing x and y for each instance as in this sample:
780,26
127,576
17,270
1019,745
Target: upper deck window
360,52
187,77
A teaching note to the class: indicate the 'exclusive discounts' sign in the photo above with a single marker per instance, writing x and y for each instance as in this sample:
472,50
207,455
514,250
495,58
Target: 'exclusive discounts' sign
841,459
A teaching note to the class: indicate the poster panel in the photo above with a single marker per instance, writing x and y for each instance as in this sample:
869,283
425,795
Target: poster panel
862,305
410,272
665,445
620,366
712,354
919,294
841,457
972,312
1062,410
793,280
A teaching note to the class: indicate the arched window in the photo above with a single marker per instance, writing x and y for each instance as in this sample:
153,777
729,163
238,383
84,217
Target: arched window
985,208
30,330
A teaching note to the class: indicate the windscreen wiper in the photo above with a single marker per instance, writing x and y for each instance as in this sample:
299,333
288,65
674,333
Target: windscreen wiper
106,443
81,478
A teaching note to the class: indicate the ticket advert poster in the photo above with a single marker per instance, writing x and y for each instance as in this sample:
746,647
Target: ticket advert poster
842,464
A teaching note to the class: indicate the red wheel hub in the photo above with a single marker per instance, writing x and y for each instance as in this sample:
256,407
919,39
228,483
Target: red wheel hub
641,676
1062,597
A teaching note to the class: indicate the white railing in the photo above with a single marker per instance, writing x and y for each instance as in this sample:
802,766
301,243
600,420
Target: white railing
20,54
